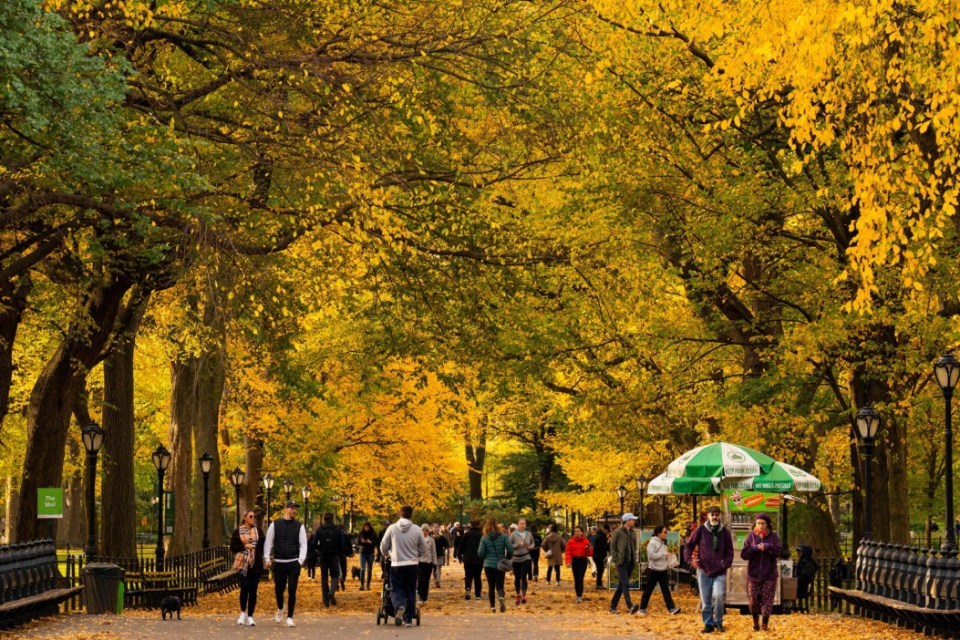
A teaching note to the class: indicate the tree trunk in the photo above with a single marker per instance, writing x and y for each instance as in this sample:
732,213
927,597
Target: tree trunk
118,522
211,379
53,395
898,511
476,456
13,300
251,484
183,419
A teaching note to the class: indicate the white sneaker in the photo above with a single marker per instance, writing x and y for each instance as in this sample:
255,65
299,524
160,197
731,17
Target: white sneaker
243,618
251,623
279,616
290,622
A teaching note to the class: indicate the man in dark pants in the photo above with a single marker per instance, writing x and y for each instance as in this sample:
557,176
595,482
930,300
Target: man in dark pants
623,556
405,544
286,549
328,543
472,563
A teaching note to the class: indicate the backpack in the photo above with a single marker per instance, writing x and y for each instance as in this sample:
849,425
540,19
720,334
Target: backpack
328,541
807,569
839,572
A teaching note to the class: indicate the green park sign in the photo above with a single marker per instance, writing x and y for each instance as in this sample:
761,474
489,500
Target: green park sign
50,502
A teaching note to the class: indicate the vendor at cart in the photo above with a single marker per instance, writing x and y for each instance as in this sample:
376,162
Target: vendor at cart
762,551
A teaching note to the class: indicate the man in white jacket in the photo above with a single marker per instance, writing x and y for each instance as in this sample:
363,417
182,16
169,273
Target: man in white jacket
405,545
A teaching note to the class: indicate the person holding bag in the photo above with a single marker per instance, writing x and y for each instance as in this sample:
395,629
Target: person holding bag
762,551
553,551
495,550
247,543
658,572
578,554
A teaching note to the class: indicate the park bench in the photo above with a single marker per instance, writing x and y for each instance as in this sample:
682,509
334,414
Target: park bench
215,575
30,583
145,589
917,589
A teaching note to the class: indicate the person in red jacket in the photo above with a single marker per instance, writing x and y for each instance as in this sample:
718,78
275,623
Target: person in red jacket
578,551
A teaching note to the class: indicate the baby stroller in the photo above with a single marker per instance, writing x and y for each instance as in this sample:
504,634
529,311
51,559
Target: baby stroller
385,610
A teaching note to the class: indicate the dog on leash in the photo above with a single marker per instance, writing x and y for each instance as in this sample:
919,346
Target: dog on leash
355,573
171,605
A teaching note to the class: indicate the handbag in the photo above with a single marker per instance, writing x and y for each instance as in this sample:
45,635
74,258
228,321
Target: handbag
505,565
672,560
548,553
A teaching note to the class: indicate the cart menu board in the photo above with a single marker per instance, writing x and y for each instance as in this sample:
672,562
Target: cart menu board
743,501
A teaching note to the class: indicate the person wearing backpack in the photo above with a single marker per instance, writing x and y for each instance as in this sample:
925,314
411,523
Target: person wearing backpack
327,540
805,571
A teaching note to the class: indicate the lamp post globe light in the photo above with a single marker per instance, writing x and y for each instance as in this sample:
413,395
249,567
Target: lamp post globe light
237,477
161,460
268,485
288,487
947,370
621,493
642,483
206,463
92,436
868,421
305,492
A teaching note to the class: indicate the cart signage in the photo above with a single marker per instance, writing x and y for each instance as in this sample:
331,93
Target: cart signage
742,501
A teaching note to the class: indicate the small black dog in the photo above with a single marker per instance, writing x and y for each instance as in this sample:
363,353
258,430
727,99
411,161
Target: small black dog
355,573
171,605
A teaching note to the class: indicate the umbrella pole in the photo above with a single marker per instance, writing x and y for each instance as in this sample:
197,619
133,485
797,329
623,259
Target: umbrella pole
783,524
694,501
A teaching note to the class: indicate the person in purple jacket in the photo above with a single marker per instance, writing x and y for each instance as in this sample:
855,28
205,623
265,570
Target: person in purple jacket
762,551
710,551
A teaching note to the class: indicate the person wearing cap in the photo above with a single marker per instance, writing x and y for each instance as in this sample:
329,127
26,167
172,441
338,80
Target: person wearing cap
710,551
623,556
286,550
762,551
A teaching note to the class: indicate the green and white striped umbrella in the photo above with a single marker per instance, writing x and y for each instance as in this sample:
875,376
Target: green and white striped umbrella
720,460
662,485
781,477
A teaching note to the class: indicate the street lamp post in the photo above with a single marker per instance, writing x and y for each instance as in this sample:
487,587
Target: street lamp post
92,436
268,485
868,421
335,498
948,371
344,498
460,500
161,460
621,493
288,487
642,482
236,479
351,513
206,463
305,492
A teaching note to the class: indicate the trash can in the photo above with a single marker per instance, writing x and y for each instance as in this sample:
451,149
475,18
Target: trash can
103,587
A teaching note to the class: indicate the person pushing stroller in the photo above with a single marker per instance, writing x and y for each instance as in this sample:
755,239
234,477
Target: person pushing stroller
404,544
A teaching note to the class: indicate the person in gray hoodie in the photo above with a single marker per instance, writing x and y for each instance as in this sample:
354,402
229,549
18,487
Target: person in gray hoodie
404,544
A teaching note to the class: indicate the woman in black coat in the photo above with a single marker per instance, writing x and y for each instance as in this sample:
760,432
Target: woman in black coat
601,547
472,562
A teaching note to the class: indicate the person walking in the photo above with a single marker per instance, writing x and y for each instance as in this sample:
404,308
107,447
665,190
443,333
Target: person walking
658,572
522,542
553,550
312,553
404,544
327,543
494,547
601,548
710,551
535,553
442,543
623,556
472,562
346,551
762,551
367,541
286,550
248,540
578,554
427,563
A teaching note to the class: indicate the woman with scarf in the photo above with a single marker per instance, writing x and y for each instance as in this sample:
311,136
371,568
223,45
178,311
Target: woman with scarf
247,545
762,551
